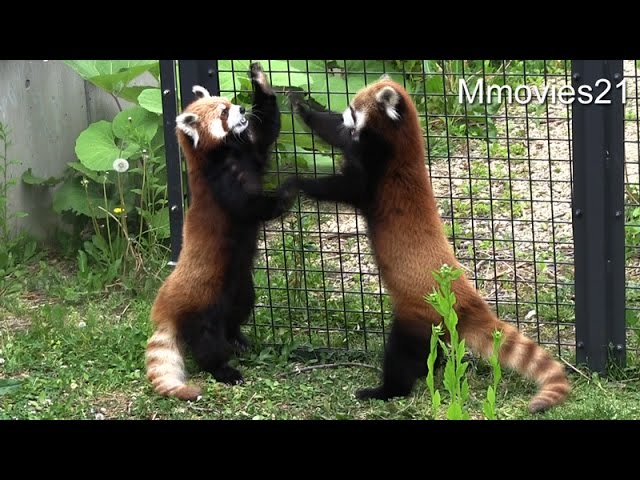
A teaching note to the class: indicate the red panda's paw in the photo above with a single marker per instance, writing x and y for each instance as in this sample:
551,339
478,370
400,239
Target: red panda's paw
299,105
296,100
376,393
259,78
228,375
288,191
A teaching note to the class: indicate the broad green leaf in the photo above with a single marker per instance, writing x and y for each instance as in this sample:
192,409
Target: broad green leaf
95,176
325,164
72,196
465,389
136,124
488,411
92,68
96,148
461,351
131,94
111,75
151,100
159,222
100,243
280,73
436,399
454,412
491,395
29,178
462,368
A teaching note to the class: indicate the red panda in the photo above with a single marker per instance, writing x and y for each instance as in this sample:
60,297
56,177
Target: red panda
210,293
385,177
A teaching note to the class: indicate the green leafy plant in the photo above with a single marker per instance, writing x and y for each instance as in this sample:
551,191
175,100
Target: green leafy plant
436,332
489,405
15,248
443,299
118,186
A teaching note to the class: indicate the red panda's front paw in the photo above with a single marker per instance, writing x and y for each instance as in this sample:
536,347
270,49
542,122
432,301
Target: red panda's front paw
259,78
298,104
288,191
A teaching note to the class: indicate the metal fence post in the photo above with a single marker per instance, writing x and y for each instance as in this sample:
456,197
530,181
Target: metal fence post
192,72
198,72
168,84
598,214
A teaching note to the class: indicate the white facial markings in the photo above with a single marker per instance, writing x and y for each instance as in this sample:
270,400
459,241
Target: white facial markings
361,118
357,123
347,118
216,129
236,120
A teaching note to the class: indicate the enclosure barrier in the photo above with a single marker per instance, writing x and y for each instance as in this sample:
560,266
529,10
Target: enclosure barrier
532,196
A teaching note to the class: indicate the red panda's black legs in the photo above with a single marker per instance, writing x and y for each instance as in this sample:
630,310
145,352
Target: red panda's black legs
205,335
241,195
243,299
265,118
344,188
405,360
327,125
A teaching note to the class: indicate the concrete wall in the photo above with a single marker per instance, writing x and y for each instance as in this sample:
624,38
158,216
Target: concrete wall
45,105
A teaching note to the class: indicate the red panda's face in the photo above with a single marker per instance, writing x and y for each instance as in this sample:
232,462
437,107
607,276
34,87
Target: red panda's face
377,107
208,120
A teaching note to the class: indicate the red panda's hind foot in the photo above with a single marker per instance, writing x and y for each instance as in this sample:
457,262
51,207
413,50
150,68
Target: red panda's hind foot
228,375
405,360
376,393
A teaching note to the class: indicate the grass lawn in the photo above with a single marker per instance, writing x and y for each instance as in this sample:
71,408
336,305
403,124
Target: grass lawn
83,359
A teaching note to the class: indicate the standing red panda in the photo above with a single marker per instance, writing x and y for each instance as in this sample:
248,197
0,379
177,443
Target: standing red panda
210,293
385,177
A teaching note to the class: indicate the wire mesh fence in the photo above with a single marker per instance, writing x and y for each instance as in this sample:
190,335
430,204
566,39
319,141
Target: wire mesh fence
502,171
632,206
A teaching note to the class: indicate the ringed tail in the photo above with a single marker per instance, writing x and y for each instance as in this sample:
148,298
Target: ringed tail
165,366
525,356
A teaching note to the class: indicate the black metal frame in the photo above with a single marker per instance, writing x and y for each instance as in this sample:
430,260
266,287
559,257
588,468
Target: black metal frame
598,215
190,72
598,199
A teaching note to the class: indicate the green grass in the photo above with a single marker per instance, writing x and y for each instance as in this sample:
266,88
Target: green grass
82,360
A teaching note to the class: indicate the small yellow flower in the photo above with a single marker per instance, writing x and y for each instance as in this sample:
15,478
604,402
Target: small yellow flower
118,210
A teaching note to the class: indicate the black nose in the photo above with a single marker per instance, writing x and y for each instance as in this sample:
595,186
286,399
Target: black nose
242,110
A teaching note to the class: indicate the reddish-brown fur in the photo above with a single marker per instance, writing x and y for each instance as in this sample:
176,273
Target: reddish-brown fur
196,280
409,243
407,205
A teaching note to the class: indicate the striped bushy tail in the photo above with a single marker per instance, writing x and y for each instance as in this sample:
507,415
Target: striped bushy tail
165,366
523,355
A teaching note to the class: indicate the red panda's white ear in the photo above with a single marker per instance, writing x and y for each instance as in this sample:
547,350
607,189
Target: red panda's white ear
388,99
187,122
385,76
200,92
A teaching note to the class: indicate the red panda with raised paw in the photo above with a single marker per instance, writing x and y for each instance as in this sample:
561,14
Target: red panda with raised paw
210,293
385,177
